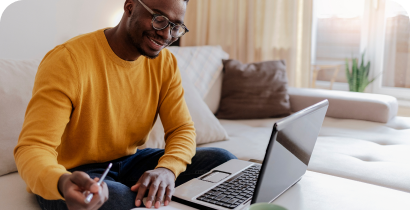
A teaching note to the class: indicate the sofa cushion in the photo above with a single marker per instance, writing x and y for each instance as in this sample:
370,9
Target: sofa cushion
202,65
13,193
346,105
207,127
16,83
254,91
370,152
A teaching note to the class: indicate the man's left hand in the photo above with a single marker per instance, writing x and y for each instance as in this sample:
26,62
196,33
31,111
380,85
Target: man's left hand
160,182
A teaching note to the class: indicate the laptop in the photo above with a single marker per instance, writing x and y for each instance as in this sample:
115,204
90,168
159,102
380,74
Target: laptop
237,183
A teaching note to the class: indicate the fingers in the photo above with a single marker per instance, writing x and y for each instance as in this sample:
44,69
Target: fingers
160,194
99,198
160,182
136,188
152,192
142,188
84,181
168,194
77,183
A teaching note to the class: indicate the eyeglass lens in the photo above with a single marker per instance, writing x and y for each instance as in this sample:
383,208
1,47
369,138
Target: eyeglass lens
160,22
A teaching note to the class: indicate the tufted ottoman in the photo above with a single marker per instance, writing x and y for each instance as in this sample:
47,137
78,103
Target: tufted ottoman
365,151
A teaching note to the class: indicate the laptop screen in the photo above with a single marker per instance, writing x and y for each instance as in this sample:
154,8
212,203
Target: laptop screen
288,153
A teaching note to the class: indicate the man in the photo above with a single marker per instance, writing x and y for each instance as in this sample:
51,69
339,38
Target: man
95,100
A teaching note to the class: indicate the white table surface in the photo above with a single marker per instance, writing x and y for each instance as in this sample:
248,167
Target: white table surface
316,191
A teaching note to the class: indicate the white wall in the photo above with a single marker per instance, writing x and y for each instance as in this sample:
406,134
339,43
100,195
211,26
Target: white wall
31,28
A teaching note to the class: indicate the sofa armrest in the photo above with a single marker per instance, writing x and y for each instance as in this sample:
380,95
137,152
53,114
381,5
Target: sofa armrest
346,105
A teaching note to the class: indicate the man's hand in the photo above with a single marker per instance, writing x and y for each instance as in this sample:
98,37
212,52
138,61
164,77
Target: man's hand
73,185
160,182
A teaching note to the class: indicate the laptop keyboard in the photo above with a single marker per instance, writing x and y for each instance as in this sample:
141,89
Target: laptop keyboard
233,191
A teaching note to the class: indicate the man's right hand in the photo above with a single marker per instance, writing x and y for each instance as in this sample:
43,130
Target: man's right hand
73,185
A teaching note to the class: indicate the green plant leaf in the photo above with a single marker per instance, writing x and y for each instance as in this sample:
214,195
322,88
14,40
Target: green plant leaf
349,75
361,73
354,74
358,77
367,69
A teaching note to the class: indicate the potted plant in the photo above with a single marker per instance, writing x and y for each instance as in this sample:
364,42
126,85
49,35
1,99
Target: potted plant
358,76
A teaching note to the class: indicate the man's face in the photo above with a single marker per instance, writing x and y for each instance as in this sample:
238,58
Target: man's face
148,41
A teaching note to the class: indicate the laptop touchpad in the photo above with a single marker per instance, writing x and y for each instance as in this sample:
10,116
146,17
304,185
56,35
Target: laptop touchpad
215,176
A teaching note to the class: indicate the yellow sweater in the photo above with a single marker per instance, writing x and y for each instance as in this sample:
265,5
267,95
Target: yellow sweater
90,106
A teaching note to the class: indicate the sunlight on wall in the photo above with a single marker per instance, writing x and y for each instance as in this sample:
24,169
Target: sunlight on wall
28,28
117,17
31,28
393,8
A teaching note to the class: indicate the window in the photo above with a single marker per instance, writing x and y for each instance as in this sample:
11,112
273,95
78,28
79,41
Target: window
396,69
338,30
345,29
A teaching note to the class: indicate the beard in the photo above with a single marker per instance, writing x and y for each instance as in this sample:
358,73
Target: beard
137,43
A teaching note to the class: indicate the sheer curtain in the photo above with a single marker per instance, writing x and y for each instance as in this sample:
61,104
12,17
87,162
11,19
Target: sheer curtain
255,30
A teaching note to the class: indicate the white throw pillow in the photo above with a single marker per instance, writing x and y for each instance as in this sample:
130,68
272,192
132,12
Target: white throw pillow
213,98
207,126
202,65
16,84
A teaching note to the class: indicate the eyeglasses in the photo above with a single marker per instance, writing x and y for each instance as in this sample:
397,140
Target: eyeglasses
160,22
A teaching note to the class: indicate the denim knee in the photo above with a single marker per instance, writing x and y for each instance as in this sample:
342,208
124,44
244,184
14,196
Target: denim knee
120,197
219,154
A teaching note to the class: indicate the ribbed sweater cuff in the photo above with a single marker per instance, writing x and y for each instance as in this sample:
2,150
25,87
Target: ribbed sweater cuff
176,165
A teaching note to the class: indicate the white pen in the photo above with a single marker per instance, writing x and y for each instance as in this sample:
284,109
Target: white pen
90,195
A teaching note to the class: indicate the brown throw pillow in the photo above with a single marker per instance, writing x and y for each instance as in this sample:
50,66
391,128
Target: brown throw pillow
254,91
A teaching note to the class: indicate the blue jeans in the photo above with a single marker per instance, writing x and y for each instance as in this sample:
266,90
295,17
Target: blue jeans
126,171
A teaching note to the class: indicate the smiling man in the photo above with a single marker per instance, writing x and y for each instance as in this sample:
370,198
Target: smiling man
95,100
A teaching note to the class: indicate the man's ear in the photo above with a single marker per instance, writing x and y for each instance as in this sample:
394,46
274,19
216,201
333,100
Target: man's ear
129,6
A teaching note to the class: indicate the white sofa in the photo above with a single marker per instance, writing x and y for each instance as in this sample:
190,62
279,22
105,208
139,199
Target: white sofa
361,159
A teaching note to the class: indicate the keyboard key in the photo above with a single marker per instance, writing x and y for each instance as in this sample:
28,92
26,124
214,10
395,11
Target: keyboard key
211,197
235,191
226,205
219,203
209,193
216,193
225,199
233,200
220,197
